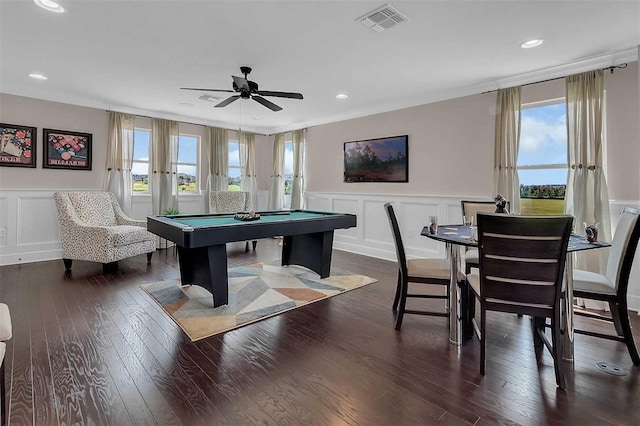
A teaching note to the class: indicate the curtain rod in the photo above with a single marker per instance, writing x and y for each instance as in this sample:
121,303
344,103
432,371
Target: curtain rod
187,122
611,69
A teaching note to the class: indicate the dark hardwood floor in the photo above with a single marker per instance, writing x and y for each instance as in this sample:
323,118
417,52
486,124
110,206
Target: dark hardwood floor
90,348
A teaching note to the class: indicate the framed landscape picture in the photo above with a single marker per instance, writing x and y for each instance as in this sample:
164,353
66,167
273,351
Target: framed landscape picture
66,150
377,160
17,145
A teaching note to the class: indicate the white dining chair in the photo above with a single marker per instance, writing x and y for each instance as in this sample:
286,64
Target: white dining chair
612,286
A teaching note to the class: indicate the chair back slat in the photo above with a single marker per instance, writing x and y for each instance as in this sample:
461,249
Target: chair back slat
502,244
397,238
522,258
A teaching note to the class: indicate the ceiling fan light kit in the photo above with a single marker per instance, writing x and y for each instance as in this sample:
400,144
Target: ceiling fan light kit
249,90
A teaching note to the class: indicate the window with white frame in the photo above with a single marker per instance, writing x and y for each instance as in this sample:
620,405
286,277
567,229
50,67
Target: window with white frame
235,169
187,164
542,157
141,163
288,169
288,172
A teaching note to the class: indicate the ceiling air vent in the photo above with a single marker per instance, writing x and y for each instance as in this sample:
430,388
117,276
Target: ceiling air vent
208,98
382,18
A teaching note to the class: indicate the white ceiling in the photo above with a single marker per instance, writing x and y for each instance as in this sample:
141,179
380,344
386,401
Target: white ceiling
133,56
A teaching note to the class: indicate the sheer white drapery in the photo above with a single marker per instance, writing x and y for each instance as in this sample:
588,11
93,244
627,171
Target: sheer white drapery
276,186
218,160
248,181
507,141
297,189
164,156
120,159
587,196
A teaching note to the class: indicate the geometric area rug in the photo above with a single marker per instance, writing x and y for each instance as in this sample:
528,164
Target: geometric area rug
256,292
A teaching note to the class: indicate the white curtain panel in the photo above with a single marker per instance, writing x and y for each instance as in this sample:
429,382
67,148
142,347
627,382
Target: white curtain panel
120,159
276,186
164,156
507,141
297,190
587,197
217,148
248,182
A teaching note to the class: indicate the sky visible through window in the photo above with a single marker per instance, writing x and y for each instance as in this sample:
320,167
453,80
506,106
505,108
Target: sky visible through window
188,153
140,152
543,140
234,159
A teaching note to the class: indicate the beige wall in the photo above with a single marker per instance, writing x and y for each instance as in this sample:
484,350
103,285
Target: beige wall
52,115
451,142
448,148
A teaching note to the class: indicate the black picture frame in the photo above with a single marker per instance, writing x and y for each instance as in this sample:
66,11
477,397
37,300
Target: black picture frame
67,150
18,145
377,160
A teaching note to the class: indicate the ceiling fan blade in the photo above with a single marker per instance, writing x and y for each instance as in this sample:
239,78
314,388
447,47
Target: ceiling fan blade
242,83
227,101
268,104
280,94
206,90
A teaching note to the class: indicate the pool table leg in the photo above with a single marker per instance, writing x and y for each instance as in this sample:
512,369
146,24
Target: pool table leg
206,267
312,251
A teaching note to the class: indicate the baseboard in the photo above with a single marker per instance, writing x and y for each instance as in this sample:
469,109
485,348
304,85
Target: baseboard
30,257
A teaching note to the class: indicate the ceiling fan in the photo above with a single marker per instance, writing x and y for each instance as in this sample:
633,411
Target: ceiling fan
249,90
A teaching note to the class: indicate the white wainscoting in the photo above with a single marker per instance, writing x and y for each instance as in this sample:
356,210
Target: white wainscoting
372,236
29,229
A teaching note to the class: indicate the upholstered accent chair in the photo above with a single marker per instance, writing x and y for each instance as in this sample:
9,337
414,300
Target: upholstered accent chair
231,202
5,334
93,227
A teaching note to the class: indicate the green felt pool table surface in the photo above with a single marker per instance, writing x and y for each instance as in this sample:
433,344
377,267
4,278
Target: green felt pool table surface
203,221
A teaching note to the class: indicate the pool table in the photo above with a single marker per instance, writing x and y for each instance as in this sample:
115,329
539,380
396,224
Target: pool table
201,240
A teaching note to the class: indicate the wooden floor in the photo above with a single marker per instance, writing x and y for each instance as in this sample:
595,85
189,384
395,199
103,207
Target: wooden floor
90,348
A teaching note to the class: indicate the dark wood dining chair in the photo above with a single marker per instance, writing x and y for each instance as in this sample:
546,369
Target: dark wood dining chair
612,286
472,208
522,261
420,271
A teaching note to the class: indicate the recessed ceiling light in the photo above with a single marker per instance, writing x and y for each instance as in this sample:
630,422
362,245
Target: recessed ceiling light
38,76
342,96
49,5
531,43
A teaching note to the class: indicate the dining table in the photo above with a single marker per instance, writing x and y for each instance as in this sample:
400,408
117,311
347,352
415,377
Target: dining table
457,236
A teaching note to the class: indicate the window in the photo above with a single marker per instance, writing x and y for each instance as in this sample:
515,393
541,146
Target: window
140,166
235,170
542,158
187,164
288,170
288,173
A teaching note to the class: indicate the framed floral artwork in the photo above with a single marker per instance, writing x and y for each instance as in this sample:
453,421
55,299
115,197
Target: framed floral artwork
66,150
17,145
